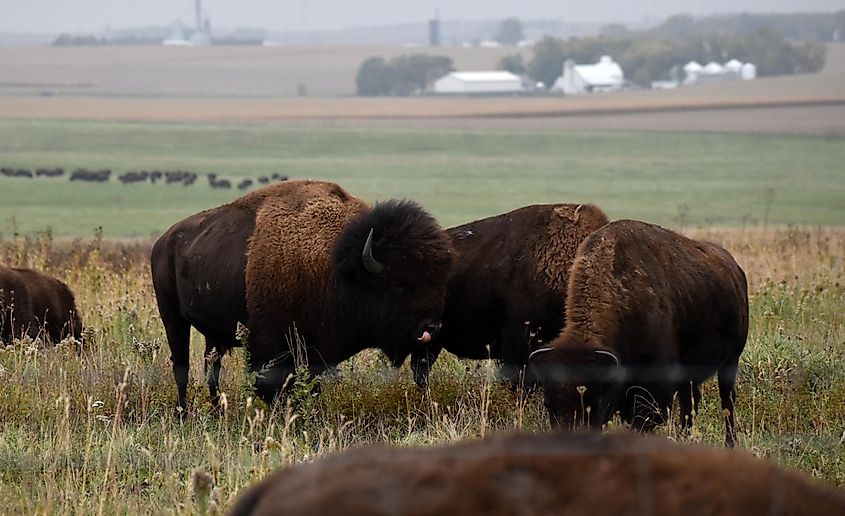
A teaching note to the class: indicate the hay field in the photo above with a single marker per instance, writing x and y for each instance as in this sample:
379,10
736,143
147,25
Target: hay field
94,431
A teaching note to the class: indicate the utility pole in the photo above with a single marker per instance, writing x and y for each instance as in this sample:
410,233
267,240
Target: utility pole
198,8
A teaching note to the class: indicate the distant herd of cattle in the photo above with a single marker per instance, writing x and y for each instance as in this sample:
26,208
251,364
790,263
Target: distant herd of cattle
608,317
178,177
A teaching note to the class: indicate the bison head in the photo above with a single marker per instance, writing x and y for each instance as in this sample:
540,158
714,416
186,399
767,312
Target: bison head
392,263
581,384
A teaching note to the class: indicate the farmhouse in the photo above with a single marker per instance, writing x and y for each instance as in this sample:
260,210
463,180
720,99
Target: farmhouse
606,75
478,83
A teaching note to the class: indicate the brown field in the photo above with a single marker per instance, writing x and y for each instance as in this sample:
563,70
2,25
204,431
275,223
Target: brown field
237,72
227,84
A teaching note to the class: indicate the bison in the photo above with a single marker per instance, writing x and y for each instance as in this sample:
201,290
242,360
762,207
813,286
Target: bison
32,302
569,474
300,262
649,313
507,289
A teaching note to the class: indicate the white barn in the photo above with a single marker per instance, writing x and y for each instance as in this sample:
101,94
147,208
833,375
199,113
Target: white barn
606,75
733,70
478,83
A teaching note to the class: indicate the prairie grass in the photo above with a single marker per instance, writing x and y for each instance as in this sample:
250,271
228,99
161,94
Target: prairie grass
90,428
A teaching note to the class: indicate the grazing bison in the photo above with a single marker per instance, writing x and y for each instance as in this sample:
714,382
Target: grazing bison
49,172
300,261
507,289
567,474
649,313
32,302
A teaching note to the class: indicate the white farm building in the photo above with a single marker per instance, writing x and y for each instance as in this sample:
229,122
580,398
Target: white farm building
478,83
606,75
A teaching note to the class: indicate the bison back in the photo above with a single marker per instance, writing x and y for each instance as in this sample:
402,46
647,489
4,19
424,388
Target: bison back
510,278
551,474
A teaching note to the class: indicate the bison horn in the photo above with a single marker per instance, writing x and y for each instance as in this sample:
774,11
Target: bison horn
608,353
538,351
370,263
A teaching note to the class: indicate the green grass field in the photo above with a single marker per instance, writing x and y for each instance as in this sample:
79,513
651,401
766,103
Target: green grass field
676,179
94,432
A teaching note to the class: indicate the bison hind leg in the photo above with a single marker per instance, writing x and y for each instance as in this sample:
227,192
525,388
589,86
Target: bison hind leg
178,332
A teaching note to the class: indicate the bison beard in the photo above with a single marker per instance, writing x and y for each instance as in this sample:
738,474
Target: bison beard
650,313
574,474
300,263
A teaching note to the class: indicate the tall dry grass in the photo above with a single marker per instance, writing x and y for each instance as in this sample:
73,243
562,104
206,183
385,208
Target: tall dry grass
91,429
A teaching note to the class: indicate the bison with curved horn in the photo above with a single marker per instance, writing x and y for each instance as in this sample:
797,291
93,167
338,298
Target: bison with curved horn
300,262
649,313
507,289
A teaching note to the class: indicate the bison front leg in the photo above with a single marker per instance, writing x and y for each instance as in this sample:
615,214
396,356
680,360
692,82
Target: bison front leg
274,369
421,363
688,396
212,369
727,392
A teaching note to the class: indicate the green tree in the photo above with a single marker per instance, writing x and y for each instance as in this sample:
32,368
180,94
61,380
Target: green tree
374,78
513,64
411,74
546,64
509,32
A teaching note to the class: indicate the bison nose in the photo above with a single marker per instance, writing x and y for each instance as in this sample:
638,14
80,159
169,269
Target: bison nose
432,328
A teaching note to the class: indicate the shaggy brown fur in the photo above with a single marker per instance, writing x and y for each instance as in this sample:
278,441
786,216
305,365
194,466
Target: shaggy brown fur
32,302
567,474
286,262
649,313
507,289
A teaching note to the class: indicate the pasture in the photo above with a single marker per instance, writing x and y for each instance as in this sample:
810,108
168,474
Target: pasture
94,430
459,174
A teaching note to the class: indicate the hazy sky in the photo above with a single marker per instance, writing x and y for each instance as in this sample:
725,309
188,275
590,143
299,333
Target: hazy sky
91,15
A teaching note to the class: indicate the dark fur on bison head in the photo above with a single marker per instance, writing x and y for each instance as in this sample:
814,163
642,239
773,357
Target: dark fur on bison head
582,384
390,264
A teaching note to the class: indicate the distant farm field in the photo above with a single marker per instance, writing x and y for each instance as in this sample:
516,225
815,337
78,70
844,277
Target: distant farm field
237,71
677,179
239,85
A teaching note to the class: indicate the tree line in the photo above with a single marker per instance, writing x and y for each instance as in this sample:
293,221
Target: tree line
407,74
650,55
777,44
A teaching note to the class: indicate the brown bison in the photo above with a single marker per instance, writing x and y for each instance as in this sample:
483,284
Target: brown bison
649,313
507,288
33,303
569,474
300,262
